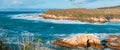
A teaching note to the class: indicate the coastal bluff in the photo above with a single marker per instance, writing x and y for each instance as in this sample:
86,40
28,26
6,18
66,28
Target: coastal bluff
87,40
85,15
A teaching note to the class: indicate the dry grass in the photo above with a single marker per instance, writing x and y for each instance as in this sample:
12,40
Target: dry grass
84,13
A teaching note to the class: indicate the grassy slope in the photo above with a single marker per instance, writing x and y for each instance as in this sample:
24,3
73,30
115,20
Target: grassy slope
84,14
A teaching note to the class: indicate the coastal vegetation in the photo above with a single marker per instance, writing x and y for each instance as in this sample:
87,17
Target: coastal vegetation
25,42
2,46
86,15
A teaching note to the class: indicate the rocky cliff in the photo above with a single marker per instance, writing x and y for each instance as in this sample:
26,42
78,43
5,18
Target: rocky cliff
85,15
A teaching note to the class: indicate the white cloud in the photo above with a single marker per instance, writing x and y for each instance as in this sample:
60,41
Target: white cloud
95,3
16,2
78,1
20,3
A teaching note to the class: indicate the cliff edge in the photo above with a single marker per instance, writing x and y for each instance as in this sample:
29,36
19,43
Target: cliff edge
85,15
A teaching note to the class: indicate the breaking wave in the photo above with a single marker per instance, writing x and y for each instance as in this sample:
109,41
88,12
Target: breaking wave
48,43
36,17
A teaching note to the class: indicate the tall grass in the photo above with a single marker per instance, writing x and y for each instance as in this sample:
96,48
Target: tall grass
25,42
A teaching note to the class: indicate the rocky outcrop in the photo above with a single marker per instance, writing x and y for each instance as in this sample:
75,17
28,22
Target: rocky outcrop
48,16
114,20
80,41
111,41
90,19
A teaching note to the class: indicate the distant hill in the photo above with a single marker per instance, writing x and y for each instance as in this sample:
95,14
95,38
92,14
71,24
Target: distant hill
110,7
86,15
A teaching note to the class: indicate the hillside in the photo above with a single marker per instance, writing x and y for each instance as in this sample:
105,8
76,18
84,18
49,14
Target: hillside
101,15
110,7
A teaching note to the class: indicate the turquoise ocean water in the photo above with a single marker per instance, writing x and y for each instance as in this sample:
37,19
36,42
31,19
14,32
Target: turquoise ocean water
16,23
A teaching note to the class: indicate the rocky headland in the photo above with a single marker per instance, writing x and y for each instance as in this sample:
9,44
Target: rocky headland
100,15
93,41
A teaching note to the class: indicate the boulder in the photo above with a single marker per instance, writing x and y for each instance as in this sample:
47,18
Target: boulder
80,41
113,41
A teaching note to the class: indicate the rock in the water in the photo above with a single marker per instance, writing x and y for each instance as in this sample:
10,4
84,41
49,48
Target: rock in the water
80,41
113,41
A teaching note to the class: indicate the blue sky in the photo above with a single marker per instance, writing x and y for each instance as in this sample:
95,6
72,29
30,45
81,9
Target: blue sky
57,3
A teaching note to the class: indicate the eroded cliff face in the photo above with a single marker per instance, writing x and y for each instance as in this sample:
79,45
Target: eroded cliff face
56,17
84,19
89,19
115,20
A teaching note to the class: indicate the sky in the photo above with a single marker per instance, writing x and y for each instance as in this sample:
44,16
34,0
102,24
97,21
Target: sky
36,4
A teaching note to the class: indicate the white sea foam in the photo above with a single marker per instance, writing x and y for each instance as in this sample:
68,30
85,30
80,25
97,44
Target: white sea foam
26,33
35,17
59,34
100,36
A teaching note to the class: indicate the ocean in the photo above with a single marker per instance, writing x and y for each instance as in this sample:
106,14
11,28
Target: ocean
15,24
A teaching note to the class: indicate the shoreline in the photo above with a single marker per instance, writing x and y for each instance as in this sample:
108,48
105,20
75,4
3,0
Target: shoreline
39,17
89,20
